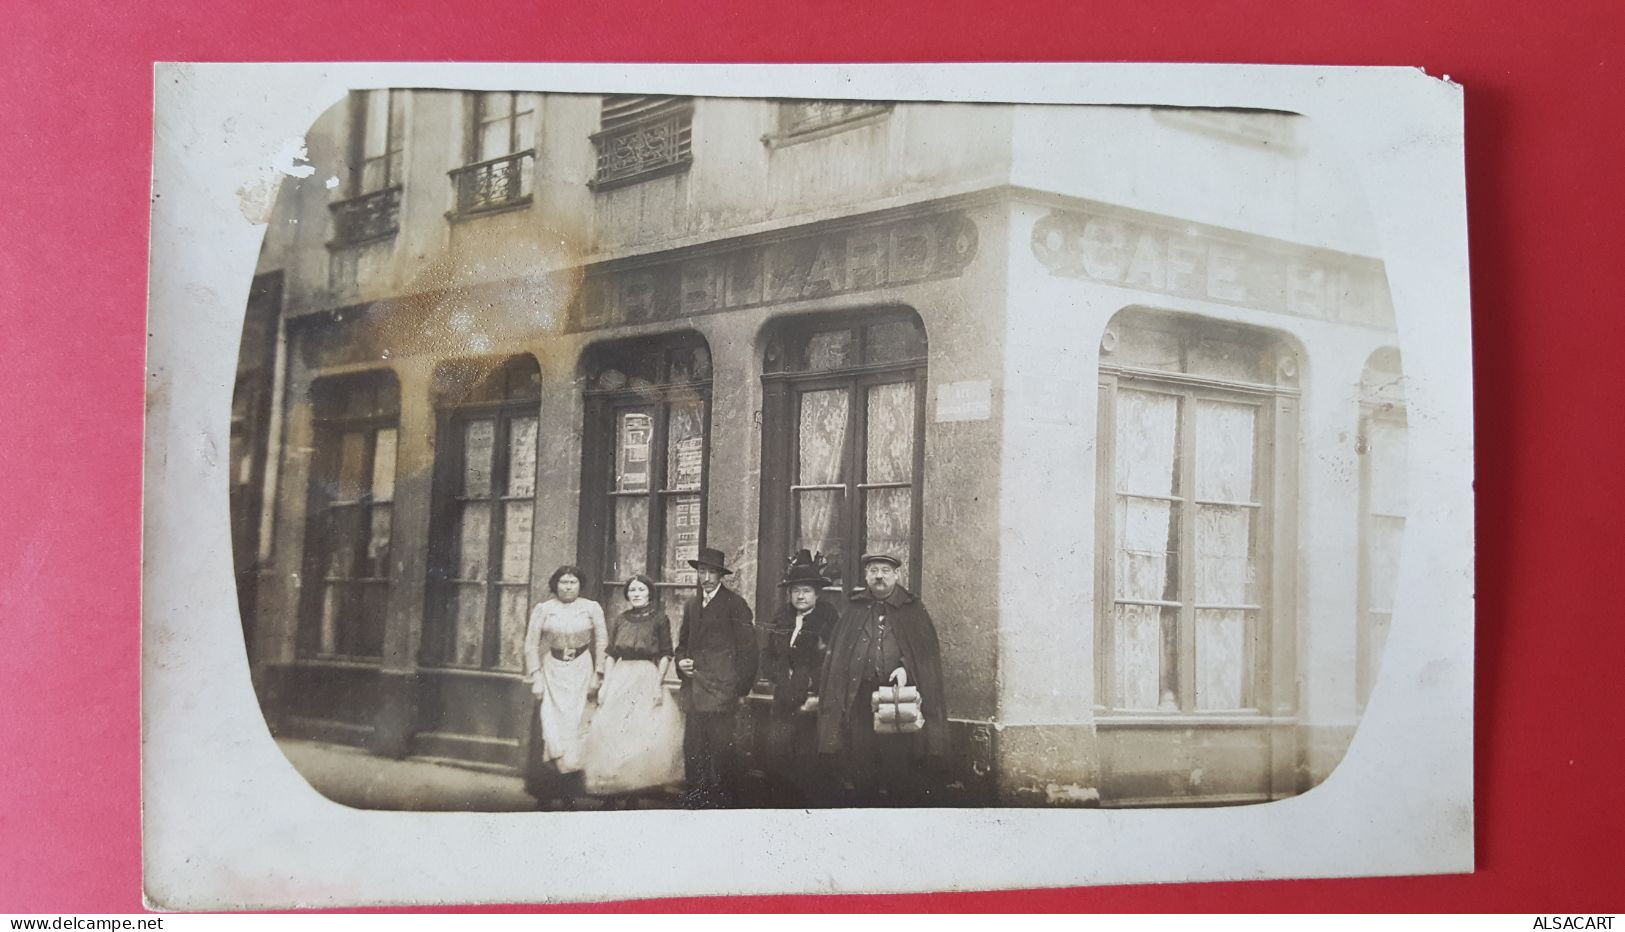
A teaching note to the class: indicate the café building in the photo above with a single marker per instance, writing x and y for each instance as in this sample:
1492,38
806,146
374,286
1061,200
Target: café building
1120,385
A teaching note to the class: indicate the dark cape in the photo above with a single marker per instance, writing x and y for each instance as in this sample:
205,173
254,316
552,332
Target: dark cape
844,670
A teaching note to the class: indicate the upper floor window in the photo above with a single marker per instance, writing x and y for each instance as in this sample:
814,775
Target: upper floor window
377,146
801,120
1197,421
378,139
502,153
642,137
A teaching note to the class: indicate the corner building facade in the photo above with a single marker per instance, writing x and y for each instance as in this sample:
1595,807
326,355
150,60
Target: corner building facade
1082,366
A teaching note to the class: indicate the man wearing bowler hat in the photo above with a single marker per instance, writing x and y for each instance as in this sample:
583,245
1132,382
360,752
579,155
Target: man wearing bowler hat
716,658
884,636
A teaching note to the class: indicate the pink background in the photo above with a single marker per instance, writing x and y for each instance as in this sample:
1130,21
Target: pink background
1545,132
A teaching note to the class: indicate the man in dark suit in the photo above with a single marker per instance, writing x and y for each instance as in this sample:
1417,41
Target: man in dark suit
716,658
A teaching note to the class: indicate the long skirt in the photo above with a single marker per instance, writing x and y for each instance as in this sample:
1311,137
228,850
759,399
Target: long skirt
796,773
636,738
563,709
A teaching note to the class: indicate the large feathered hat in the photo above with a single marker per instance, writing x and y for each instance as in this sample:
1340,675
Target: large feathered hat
805,569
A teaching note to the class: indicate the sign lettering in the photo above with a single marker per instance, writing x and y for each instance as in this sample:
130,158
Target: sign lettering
761,271
1211,264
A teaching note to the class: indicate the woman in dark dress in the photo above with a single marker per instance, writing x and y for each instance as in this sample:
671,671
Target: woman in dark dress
635,741
792,657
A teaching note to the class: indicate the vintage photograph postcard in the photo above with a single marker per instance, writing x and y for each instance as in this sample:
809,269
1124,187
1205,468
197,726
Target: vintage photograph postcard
569,483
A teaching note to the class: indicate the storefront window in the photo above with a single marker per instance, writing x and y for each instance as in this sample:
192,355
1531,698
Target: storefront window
643,500
842,459
484,512
351,502
1189,411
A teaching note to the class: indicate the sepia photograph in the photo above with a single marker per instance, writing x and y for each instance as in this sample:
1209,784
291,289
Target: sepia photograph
609,452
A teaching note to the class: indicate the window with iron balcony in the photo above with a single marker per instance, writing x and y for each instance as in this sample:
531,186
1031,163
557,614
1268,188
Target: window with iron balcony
371,208
642,138
501,148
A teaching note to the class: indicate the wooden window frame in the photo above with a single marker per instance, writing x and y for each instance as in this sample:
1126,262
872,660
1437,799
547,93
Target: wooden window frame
477,123
782,391
358,158
369,215
1268,683
439,647
480,168
328,431
603,408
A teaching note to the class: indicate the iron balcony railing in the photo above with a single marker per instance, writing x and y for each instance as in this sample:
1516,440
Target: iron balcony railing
650,145
367,217
494,184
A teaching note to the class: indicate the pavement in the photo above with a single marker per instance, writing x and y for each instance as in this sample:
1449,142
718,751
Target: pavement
353,777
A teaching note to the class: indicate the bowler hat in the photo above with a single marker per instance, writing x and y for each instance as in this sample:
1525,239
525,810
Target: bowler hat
805,570
869,558
712,558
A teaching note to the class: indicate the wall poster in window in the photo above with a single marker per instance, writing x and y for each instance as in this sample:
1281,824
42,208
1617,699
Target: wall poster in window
478,451
1229,581
690,464
522,457
632,463
683,540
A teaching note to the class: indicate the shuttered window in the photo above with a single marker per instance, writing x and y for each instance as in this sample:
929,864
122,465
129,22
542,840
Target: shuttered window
642,137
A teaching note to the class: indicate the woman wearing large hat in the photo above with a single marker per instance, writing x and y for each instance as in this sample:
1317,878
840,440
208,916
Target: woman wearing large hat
793,645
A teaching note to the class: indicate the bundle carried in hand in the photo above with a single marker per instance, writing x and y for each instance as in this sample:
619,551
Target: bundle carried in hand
897,708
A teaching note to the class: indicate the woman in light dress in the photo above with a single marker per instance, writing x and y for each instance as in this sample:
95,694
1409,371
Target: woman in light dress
635,743
564,660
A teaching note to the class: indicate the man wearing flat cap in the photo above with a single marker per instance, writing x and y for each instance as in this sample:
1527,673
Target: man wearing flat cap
716,658
885,636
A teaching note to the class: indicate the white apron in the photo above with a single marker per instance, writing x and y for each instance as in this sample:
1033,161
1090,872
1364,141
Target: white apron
563,708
